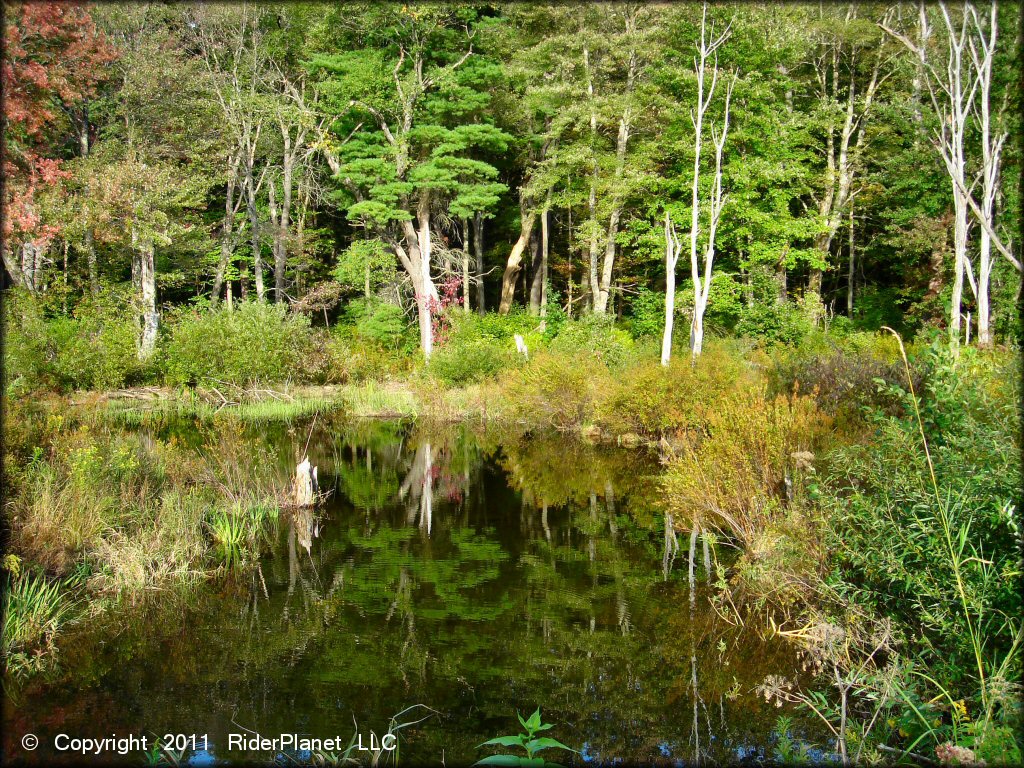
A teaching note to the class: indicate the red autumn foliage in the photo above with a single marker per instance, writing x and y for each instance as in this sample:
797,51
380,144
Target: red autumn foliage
55,56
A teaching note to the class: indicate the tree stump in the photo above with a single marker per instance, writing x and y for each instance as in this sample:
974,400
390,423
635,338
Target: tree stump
305,485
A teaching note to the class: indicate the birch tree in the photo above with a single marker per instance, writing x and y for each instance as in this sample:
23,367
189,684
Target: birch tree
952,92
982,47
705,63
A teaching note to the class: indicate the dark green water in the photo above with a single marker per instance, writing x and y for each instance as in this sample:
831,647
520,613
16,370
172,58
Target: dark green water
470,576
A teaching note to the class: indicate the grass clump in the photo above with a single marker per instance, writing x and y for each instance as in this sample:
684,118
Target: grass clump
35,609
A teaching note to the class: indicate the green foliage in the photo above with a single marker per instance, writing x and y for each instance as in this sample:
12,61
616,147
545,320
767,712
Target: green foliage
657,400
595,336
528,741
239,530
552,390
648,313
733,475
93,348
900,541
471,361
35,609
480,347
365,264
774,322
252,343
378,321
353,359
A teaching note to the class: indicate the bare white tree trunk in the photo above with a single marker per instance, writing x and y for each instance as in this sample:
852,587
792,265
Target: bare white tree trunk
478,253
952,95
702,284
673,247
146,281
991,151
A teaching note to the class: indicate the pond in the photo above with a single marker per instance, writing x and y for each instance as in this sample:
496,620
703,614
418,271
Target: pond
473,576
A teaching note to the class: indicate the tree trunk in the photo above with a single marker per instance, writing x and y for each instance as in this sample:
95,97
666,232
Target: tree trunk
145,264
90,255
671,256
226,241
254,226
515,258
851,270
14,270
537,268
465,265
544,263
478,250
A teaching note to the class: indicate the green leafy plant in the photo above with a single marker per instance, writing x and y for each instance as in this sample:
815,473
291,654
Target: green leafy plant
528,741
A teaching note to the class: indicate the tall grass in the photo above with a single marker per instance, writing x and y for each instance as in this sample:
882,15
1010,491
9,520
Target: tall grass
35,609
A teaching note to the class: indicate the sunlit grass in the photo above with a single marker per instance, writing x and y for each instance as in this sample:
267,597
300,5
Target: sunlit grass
35,610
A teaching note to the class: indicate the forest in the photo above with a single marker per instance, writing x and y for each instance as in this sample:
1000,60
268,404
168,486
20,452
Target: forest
765,255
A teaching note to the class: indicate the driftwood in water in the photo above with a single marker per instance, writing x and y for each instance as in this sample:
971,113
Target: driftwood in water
305,486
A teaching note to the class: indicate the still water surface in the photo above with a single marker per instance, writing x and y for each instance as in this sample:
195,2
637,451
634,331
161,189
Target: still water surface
468,575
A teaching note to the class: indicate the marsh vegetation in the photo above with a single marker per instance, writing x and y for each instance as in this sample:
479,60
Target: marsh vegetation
660,364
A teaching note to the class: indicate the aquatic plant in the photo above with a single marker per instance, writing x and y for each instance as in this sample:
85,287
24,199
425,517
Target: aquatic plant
35,609
528,741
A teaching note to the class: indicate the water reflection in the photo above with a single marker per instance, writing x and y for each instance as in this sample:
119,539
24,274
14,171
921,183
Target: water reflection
469,574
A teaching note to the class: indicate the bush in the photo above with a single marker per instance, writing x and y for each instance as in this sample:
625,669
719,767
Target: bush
888,526
253,342
658,400
595,336
648,314
737,471
845,377
351,359
94,348
782,323
551,391
478,348
378,322
459,363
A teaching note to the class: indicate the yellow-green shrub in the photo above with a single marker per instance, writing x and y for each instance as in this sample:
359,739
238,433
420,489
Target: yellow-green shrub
551,391
733,474
655,400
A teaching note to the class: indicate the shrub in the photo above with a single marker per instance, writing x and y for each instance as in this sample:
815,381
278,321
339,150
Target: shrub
551,391
93,348
352,359
459,363
479,348
783,323
845,377
595,336
657,400
648,314
889,522
736,472
253,342
379,322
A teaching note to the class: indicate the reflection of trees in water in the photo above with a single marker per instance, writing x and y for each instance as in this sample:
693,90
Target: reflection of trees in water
550,593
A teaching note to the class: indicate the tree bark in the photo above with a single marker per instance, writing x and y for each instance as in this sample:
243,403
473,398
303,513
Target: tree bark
537,267
144,265
515,258
672,249
465,265
478,251
226,239
851,270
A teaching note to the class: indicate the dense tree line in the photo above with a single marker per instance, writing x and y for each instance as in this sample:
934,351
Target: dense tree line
860,159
